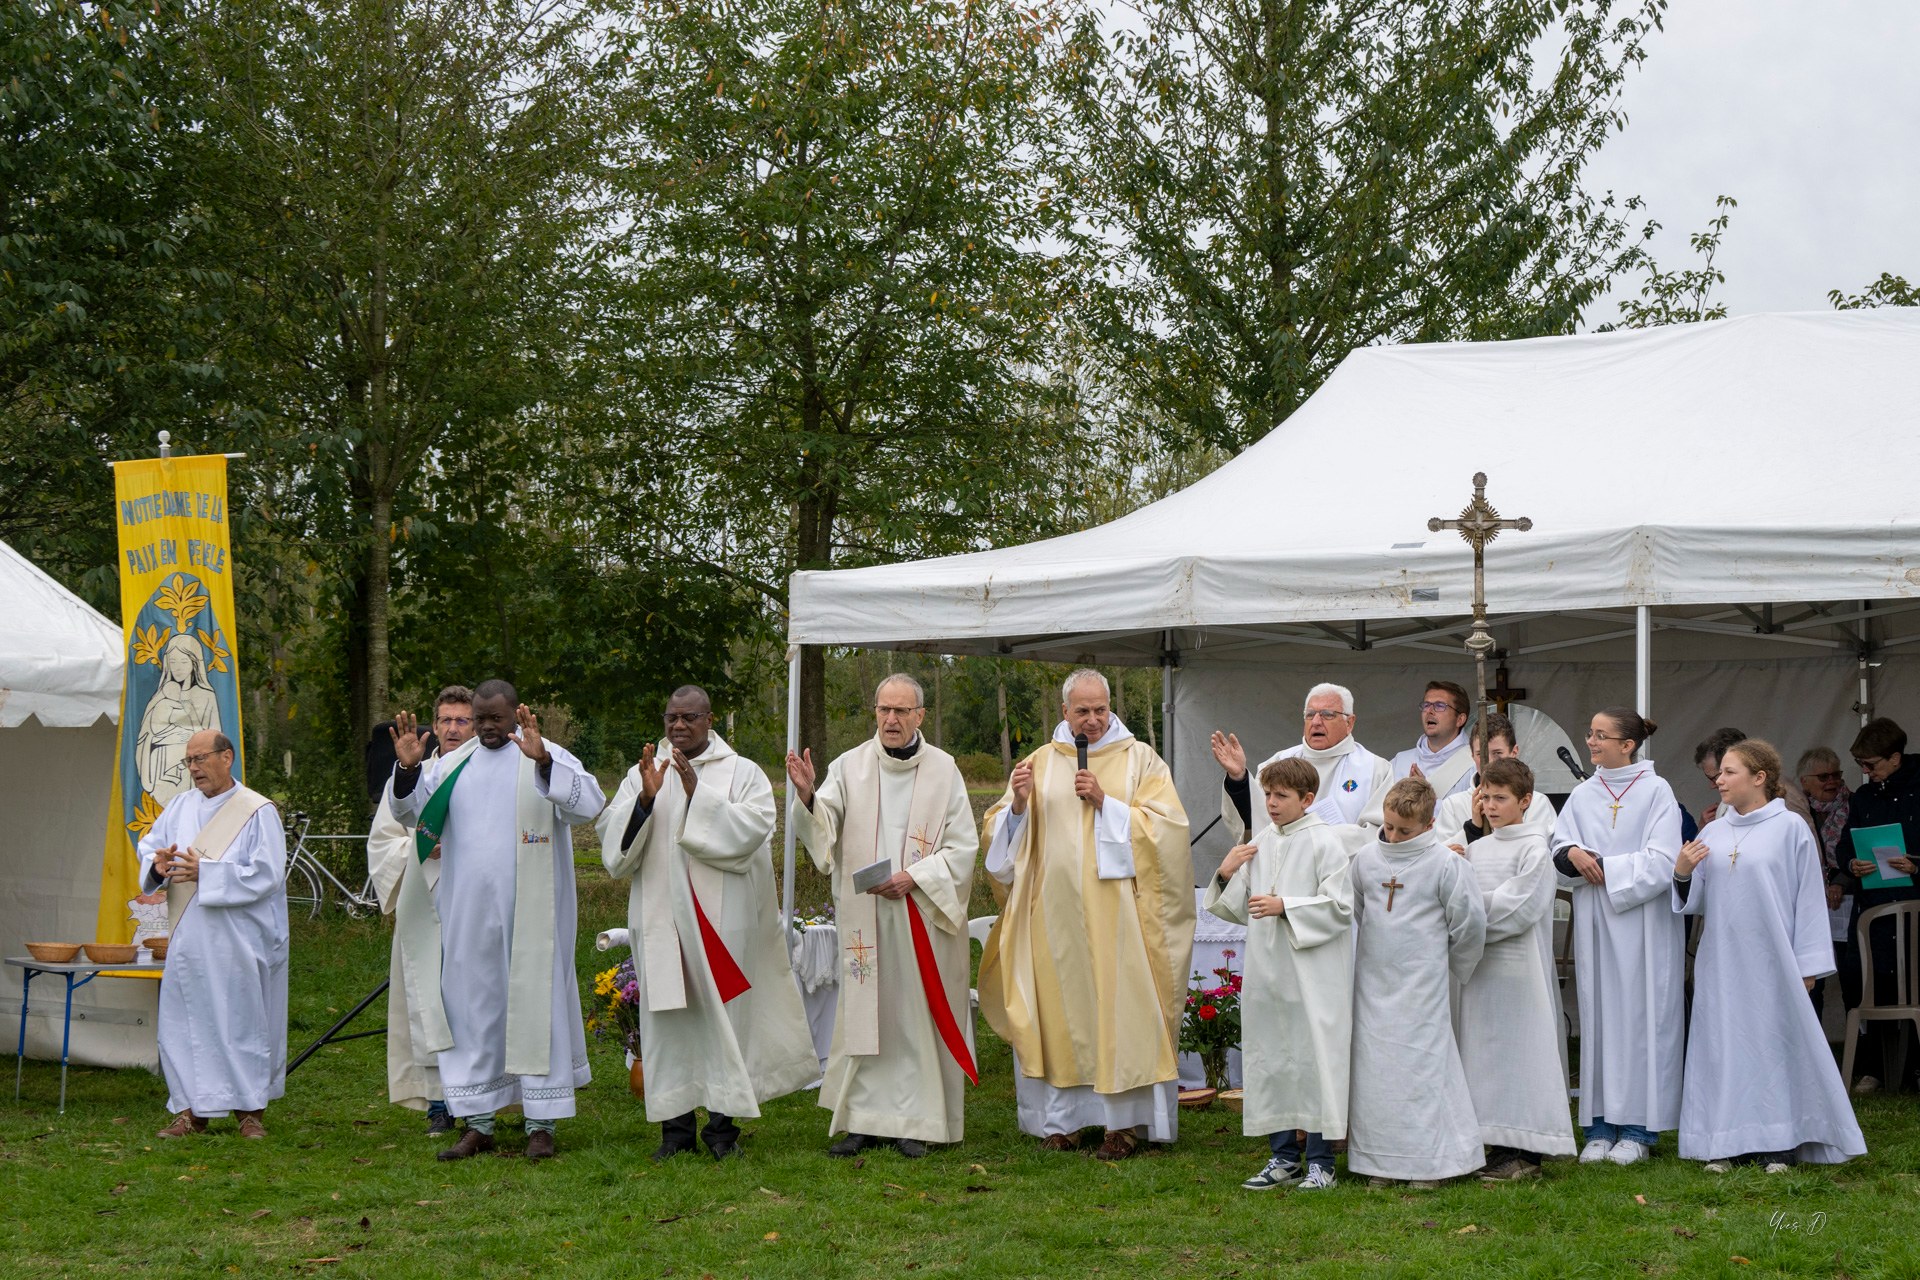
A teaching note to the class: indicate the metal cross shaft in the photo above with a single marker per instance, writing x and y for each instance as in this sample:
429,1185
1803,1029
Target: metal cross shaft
1478,524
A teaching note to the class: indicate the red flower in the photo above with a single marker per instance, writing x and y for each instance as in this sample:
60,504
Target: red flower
1208,1013
1229,954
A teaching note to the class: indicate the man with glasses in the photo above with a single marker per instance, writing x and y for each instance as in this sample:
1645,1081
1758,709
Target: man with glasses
1350,775
1085,973
898,1067
413,1079
219,849
1440,754
1890,796
721,1022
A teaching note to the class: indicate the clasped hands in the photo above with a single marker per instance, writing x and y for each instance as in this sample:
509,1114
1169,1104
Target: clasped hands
176,864
652,775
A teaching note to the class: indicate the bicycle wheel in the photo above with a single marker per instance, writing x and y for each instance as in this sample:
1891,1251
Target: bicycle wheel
303,890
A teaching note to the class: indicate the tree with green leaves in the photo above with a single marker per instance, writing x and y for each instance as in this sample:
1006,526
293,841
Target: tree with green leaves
103,325
1281,181
406,191
845,279
1888,291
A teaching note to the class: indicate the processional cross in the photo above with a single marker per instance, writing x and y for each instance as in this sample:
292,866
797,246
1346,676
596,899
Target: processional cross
1479,524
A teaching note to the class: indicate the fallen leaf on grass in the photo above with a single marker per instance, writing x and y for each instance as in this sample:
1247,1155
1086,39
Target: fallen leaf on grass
230,1213
314,1262
1639,1199
976,1168
1745,1262
1430,1225
768,1191
1685,1234
258,1214
1467,1230
663,1221
361,1160
977,1189
184,1178
771,1235
366,1224
119,1190
426,1202
336,1195
119,1119
896,1186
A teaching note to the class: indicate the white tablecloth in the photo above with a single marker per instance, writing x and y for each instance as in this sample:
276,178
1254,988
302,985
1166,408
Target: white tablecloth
816,968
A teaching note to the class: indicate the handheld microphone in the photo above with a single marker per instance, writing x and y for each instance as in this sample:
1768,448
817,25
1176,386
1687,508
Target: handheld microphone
1566,758
1080,749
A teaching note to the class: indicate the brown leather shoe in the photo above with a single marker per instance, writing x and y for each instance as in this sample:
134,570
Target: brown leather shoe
1060,1142
184,1125
250,1126
540,1145
1117,1145
471,1144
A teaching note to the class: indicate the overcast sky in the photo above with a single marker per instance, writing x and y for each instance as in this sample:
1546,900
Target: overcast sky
1808,113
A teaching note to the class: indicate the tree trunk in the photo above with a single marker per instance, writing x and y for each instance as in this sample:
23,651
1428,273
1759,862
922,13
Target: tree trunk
939,738
814,550
1006,743
376,603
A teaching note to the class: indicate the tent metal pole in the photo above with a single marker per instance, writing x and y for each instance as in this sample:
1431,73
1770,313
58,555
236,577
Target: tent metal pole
1166,697
793,744
1643,667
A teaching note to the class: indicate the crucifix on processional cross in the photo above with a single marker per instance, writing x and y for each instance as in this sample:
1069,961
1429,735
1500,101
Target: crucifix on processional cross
1478,524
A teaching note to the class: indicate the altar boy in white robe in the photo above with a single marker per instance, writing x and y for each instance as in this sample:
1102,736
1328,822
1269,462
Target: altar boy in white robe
1421,927
1293,889
1507,1016
902,1043
219,849
721,1022
1457,820
1350,775
1614,845
499,994
1761,1085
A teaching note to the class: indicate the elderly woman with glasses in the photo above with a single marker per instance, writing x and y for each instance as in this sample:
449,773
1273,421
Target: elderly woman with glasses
1614,844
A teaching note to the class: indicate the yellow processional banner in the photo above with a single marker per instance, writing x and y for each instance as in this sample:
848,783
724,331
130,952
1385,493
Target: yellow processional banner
182,675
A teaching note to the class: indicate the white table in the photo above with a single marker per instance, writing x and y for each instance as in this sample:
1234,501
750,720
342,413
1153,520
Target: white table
816,970
84,971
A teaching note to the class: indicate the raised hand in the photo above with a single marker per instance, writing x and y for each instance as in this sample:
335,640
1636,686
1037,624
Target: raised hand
1229,754
800,773
409,740
684,767
163,861
528,734
1692,854
1237,857
651,775
1022,785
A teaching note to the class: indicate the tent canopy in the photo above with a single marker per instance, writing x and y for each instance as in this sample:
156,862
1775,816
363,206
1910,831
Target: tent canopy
60,660
1705,470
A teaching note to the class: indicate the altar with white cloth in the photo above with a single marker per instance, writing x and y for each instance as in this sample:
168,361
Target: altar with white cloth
1212,939
816,968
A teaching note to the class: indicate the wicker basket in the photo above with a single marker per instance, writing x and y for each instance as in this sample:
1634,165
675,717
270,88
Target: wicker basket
157,945
53,952
111,952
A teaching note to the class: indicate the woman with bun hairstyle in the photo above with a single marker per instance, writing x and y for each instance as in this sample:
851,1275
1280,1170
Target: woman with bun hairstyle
1614,845
1754,874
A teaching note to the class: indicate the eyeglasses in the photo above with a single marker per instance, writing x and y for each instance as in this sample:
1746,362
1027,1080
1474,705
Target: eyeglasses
1605,737
688,717
203,757
1440,706
895,713
1871,763
1326,715
455,722
1832,776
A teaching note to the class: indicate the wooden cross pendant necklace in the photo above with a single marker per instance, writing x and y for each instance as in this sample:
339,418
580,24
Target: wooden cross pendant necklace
1619,796
1392,885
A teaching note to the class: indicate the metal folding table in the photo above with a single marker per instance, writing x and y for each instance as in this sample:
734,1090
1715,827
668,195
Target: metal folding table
78,973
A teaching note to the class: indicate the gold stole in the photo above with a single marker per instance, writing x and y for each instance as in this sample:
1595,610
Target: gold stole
212,844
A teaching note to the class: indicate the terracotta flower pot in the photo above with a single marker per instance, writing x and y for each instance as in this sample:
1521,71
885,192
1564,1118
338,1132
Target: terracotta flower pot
636,1080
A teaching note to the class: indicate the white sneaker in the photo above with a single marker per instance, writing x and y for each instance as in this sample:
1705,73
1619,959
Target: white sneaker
1627,1151
1318,1178
1275,1173
1866,1084
1596,1151
1776,1166
1718,1166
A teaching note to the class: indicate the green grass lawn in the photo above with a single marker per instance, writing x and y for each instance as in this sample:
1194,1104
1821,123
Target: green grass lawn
346,1185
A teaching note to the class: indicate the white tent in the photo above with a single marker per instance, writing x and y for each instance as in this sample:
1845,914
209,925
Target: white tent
1726,529
60,675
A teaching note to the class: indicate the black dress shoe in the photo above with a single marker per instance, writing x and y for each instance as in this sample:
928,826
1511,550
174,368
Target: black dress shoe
438,1124
911,1148
723,1149
668,1150
852,1145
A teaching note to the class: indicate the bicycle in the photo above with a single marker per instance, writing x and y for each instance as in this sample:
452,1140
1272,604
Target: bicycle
308,876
